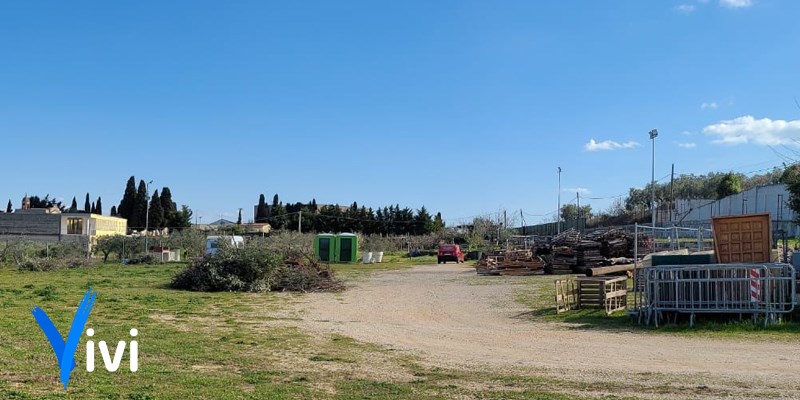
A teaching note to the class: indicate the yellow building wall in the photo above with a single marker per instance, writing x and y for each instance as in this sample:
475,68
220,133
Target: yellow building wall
105,226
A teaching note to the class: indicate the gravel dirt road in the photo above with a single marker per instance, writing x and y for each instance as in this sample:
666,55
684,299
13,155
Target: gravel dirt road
434,313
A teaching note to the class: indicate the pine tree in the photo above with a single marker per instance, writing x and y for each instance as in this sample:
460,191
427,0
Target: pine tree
183,218
423,224
87,206
99,206
156,212
74,207
113,211
261,210
9,207
126,206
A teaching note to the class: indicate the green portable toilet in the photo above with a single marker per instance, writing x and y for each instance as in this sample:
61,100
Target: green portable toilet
346,247
325,246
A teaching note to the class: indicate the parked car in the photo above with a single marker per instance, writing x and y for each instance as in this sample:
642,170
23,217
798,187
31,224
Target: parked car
450,252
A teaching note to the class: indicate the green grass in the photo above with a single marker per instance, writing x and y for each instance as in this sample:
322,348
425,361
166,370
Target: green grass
216,345
538,293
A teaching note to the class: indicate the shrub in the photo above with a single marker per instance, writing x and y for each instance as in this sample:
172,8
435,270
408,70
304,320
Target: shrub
144,259
230,269
51,264
261,265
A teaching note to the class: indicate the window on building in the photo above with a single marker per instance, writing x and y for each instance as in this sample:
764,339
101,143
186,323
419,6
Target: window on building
74,226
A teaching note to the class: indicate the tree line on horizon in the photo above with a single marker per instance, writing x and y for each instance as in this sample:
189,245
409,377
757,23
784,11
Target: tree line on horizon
163,212
389,220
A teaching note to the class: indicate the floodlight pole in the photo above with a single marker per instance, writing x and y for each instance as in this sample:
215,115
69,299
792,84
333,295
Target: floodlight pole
653,135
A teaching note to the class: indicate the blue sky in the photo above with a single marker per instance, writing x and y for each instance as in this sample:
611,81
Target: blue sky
466,107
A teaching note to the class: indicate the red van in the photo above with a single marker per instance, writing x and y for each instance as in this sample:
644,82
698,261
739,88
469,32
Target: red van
450,252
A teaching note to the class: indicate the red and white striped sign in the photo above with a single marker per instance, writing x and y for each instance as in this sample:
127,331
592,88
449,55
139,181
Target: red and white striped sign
755,285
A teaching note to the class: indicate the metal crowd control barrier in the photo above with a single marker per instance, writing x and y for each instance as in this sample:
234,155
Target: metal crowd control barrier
661,239
765,290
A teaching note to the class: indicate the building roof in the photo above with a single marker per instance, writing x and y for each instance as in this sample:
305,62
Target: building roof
222,222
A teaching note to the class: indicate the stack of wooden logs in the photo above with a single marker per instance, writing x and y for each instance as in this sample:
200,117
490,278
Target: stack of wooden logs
510,262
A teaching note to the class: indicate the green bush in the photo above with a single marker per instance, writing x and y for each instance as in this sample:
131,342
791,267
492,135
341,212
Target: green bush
144,259
230,269
51,264
257,267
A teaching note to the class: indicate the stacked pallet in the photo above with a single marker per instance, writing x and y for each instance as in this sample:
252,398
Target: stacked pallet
487,264
613,242
588,255
562,261
512,262
569,238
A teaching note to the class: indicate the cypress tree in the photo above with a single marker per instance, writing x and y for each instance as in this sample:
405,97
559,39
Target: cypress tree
94,209
113,211
239,220
261,210
9,207
74,207
169,207
99,206
139,213
438,223
156,212
87,206
126,206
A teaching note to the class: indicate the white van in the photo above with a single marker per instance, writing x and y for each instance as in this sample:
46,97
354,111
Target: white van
212,242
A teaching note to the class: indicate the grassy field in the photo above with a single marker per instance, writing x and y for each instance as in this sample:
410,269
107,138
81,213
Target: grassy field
219,345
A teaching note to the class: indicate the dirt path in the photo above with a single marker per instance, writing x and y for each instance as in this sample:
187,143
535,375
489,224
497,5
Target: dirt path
429,311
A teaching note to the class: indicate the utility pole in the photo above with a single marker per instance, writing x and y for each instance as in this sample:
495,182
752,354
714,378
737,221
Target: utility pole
522,222
505,220
578,221
299,222
558,210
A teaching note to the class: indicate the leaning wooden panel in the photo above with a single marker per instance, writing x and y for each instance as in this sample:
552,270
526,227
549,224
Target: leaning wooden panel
742,238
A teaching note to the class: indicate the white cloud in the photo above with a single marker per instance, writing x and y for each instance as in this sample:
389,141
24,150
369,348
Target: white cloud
685,8
583,191
686,133
689,145
608,145
712,105
736,3
747,129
